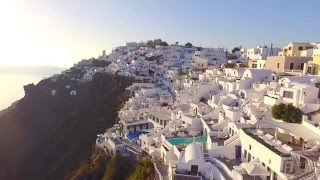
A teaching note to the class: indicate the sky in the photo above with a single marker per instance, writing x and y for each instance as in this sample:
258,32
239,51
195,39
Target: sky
62,32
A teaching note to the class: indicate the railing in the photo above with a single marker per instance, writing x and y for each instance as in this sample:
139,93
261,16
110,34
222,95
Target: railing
102,148
293,70
307,173
222,166
231,139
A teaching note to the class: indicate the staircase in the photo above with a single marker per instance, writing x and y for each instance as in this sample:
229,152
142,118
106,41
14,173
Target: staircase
306,174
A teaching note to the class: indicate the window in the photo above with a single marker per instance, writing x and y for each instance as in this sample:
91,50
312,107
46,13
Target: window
245,154
249,147
290,48
269,161
278,65
288,94
287,167
300,48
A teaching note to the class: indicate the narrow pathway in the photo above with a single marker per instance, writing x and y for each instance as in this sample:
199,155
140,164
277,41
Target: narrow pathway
225,174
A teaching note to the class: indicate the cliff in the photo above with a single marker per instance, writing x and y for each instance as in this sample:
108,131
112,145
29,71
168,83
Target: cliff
45,136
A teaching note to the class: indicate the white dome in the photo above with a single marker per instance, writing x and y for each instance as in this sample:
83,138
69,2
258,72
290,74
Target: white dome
196,125
193,152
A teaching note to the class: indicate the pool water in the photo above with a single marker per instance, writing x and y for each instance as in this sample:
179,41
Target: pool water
178,141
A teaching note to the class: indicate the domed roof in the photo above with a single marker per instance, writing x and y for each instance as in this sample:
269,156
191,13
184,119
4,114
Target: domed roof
193,151
196,125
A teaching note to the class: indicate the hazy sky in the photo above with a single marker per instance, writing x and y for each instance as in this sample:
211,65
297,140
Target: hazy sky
61,32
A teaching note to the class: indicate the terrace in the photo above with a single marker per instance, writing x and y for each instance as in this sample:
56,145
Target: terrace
280,143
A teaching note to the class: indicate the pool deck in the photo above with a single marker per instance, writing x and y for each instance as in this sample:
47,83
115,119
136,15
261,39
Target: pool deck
175,134
186,140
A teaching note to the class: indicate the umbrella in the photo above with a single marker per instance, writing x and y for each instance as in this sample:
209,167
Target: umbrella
254,168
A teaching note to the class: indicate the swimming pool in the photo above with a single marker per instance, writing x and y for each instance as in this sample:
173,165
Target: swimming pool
178,141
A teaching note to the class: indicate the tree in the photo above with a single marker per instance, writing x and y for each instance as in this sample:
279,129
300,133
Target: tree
188,44
177,43
287,112
164,43
278,110
235,49
156,42
150,42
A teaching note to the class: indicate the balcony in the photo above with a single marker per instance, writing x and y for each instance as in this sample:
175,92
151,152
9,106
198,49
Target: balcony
293,71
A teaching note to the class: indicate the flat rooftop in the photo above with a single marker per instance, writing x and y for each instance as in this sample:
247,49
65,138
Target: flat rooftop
282,146
294,128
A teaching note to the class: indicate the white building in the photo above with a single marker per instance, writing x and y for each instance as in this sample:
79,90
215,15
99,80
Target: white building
302,92
261,52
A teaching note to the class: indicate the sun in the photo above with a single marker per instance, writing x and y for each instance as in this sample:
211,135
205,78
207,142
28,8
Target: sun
24,43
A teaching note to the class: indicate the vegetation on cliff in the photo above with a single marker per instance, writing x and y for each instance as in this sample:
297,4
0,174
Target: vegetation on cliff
102,166
143,169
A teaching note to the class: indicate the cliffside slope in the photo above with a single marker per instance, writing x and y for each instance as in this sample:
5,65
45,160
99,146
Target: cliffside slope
45,136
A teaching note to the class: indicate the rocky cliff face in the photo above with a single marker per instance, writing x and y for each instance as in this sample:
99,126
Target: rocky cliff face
45,136
29,89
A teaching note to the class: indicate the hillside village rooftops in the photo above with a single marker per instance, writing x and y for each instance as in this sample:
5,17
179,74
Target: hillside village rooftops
300,85
292,128
301,79
161,115
164,93
257,73
183,107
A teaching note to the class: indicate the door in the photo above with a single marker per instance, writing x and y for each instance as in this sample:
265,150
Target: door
291,65
194,170
238,152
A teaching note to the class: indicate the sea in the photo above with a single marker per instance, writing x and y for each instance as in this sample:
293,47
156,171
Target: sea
11,85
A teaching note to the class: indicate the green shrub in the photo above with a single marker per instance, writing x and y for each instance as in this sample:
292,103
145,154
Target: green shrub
235,49
287,112
188,44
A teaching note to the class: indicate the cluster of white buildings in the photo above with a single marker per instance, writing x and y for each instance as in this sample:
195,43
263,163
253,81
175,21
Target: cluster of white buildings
200,119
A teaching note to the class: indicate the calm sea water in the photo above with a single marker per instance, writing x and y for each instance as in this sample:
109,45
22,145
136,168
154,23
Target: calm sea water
11,87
